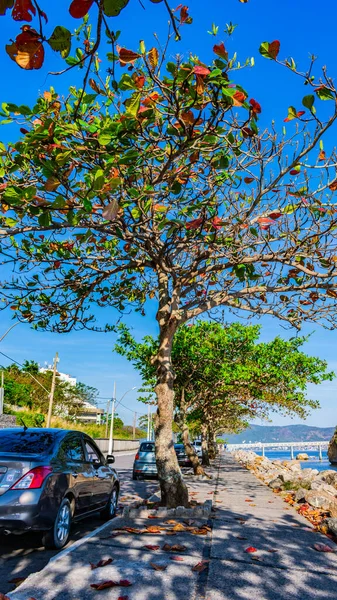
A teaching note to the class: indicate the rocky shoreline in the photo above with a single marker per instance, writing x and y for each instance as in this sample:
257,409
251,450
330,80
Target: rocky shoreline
311,492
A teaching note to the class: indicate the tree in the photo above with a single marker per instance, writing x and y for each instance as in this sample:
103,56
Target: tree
31,366
28,49
168,190
224,377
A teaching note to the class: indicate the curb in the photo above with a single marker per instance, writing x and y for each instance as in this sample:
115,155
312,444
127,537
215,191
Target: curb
202,511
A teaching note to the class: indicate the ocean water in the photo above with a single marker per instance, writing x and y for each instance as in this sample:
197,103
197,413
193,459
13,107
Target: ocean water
312,463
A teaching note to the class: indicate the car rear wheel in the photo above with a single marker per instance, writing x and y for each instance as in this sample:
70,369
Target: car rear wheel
58,536
135,477
109,512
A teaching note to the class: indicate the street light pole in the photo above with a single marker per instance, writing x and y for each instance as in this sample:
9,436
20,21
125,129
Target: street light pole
114,405
2,389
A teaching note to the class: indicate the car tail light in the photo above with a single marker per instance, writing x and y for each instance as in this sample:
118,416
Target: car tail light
33,479
137,456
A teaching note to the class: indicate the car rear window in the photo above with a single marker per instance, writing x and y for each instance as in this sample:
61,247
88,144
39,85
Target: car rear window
26,442
146,447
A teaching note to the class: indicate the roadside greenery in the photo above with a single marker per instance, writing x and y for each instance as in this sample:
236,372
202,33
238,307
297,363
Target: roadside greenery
225,377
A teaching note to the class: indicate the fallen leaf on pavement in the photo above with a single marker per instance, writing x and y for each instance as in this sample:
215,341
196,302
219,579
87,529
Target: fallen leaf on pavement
200,566
171,522
123,598
174,548
3,597
152,517
272,550
251,549
158,567
177,558
179,527
101,563
241,537
252,505
153,529
323,548
103,585
171,533
132,530
249,500
17,580
149,547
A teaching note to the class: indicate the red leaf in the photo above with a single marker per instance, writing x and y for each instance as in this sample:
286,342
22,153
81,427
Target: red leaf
269,222
23,130
274,48
256,107
127,56
110,584
220,50
248,179
79,8
139,80
184,14
22,10
150,547
123,598
158,567
200,70
275,215
174,548
323,548
251,549
239,98
104,561
294,172
201,566
195,224
322,155
175,558
300,113
27,50
333,186
217,223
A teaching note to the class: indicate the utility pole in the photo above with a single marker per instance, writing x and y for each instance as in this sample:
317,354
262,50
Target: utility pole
51,395
134,426
107,418
2,394
112,421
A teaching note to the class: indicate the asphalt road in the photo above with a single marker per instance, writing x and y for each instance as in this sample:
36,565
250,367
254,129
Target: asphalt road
22,555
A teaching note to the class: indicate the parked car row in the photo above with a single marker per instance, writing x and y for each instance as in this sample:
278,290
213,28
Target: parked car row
145,461
50,478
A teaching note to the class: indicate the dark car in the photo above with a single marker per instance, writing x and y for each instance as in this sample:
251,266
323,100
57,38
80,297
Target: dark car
50,478
145,461
182,457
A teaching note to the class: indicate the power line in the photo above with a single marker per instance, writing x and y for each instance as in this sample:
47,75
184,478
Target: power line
28,373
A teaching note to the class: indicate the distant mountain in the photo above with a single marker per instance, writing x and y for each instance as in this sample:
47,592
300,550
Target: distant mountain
287,433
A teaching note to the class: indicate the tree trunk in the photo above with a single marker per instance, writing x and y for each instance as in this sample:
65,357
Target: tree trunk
173,489
190,452
204,446
211,443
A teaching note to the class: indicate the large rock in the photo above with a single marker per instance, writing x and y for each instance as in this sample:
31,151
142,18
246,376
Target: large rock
318,499
300,495
321,486
332,449
332,525
302,456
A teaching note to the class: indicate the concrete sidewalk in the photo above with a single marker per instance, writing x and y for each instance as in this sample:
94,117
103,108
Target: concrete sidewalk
247,514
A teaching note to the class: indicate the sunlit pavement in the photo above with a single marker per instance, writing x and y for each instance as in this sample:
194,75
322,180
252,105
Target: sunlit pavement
22,555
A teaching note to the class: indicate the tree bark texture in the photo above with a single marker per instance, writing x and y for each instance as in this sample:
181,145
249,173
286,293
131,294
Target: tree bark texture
204,446
173,489
190,452
211,443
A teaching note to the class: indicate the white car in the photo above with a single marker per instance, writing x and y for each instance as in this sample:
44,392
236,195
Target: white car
197,447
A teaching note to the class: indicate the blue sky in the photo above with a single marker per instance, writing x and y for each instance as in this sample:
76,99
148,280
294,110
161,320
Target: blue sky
302,29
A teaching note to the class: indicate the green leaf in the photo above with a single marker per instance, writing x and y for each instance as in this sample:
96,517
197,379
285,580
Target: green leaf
132,104
270,50
308,101
126,83
112,8
324,93
60,40
104,138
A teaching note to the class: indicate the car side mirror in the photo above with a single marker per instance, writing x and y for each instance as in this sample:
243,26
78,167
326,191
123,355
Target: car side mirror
110,459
